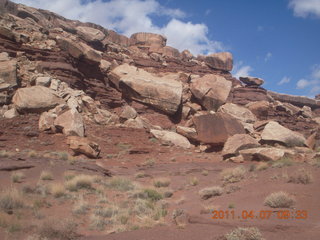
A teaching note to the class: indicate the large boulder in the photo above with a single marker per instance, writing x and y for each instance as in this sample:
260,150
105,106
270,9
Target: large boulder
222,61
90,34
299,101
238,142
170,52
171,137
162,92
265,154
259,108
241,113
148,39
79,50
275,133
80,145
215,129
35,99
211,90
188,132
252,81
70,123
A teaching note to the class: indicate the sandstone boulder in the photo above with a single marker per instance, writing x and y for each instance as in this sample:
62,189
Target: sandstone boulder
104,117
128,112
299,101
148,39
241,113
171,137
238,142
161,92
222,61
215,129
188,132
43,81
306,112
70,123
170,52
275,133
11,113
90,34
80,145
259,108
252,81
35,99
211,90
265,154
46,121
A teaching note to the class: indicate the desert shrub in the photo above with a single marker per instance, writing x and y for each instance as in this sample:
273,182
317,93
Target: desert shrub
283,162
194,181
17,177
210,192
150,194
232,175
240,233
80,182
120,184
279,200
161,182
301,176
80,207
46,175
11,199
262,166
58,229
58,190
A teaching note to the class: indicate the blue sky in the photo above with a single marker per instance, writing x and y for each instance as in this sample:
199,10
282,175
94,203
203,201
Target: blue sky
277,40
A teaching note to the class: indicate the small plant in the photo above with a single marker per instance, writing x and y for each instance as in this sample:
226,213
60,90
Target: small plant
58,190
17,177
11,199
194,181
149,162
231,205
120,184
262,166
97,222
283,162
46,176
5,154
58,229
210,192
301,176
152,194
205,173
106,212
80,182
32,154
69,175
240,233
279,200
81,207
232,175
63,156
161,182
141,175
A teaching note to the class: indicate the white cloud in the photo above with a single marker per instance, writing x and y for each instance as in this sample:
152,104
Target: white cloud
131,16
240,70
268,57
284,80
312,83
305,8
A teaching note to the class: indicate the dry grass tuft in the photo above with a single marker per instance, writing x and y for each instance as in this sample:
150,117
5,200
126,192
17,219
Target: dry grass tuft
17,177
161,182
283,162
120,184
240,233
58,190
80,182
262,166
58,229
210,192
279,200
194,181
301,176
11,199
46,175
232,175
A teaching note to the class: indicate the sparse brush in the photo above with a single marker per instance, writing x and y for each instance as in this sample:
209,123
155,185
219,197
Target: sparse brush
279,200
283,162
17,177
32,154
232,175
240,233
81,207
5,154
42,189
97,222
58,229
46,176
210,192
141,175
120,184
69,175
301,176
161,182
107,212
150,194
194,181
58,190
80,182
262,166
11,199
63,156
205,173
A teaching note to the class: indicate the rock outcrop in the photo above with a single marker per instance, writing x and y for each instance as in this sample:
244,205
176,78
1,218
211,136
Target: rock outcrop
222,61
171,137
80,145
211,91
70,123
252,81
